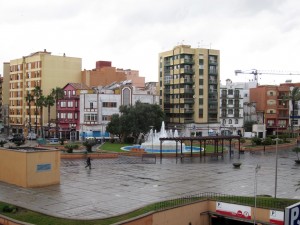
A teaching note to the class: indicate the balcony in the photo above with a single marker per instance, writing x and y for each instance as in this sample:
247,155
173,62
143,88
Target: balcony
187,61
213,72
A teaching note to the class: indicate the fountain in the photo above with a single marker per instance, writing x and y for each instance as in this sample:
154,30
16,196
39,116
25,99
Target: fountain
152,143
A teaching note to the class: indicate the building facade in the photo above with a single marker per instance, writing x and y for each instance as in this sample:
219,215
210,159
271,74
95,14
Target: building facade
272,106
37,69
189,89
97,109
236,108
104,74
68,110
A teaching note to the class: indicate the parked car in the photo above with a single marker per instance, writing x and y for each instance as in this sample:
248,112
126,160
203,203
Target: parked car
17,137
31,136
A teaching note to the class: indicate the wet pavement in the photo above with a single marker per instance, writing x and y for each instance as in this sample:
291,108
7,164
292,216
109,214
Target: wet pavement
117,186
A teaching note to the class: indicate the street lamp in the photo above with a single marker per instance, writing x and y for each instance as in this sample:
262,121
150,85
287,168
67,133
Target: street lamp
255,192
276,163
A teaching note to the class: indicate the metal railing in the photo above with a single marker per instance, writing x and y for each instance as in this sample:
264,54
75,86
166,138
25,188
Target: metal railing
261,201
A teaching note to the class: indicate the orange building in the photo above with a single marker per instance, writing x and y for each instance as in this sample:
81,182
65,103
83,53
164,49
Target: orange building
104,74
271,106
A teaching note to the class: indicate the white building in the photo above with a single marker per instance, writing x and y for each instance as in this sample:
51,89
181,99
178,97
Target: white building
235,107
96,109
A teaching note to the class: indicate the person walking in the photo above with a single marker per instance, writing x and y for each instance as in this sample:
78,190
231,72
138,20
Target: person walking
88,163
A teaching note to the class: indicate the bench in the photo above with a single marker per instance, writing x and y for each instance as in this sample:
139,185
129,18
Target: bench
149,156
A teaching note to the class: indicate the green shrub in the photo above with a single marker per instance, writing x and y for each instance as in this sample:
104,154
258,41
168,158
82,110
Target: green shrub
89,144
2,142
62,141
256,141
243,140
267,141
9,209
71,147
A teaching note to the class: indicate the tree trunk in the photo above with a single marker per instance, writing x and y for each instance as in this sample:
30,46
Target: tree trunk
49,120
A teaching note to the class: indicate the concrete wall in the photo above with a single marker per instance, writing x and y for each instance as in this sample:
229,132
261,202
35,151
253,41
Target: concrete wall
195,214
21,167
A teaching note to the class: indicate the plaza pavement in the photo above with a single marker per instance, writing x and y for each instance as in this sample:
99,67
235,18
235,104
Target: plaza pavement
117,186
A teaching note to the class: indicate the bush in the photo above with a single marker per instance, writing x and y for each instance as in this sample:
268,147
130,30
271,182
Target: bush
71,147
256,141
243,140
2,142
267,141
9,209
89,144
19,143
62,141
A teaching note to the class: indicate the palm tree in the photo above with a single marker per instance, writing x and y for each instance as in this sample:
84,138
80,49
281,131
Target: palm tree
41,104
57,93
49,102
29,98
294,97
37,92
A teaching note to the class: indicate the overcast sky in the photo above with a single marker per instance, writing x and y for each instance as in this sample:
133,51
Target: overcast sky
250,34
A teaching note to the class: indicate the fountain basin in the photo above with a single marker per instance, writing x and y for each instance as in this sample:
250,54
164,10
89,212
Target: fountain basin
165,149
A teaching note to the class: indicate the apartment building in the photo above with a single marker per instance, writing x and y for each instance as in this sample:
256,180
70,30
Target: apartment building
104,74
96,109
68,110
189,89
236,109
272,107
37,69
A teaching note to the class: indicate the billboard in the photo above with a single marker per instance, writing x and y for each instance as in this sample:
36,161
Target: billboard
292,215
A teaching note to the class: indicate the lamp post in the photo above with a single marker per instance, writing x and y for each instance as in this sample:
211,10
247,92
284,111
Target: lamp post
276,163
255,192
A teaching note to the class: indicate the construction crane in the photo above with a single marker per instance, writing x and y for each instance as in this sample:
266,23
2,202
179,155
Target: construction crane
256,72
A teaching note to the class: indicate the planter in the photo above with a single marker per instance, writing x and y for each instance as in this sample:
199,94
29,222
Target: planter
236,165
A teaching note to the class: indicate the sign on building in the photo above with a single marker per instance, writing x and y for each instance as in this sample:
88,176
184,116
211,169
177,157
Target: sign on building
292,214
233,210
276,217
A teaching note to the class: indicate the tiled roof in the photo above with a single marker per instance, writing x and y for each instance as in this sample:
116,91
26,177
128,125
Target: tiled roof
80,86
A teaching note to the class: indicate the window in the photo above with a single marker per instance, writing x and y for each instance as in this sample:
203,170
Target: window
70,115
106,117
73,93
230,102
224,122
230,92
70,104
91,105
76,116
62,115
236,121
62,104
90,117
109,104
76,104
65,92
230,121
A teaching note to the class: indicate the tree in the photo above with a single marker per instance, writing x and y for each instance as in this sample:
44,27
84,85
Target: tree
293,97
29,98
114,126
37,92
49,102
57,93
41,104
137,119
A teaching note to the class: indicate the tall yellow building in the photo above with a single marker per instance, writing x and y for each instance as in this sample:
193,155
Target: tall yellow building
189,82
37,69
